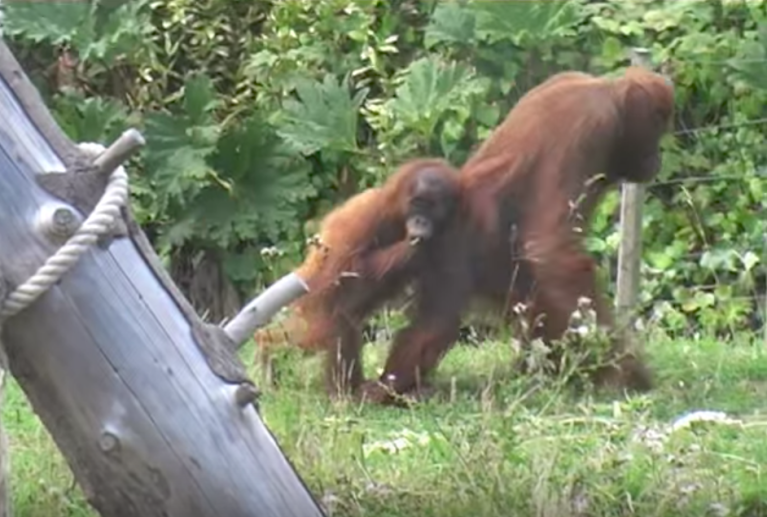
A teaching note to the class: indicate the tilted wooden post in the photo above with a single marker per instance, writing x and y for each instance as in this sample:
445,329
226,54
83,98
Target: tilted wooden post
150,406
630,250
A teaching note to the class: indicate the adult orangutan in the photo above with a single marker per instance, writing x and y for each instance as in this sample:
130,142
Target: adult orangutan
369,249
525,196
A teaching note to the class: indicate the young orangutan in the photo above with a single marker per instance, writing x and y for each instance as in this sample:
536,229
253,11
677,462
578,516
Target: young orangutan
369,249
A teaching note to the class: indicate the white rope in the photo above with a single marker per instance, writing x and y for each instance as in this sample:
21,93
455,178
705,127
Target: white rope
98,223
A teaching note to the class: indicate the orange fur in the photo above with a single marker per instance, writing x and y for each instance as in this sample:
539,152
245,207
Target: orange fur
362,259
527,195
331,238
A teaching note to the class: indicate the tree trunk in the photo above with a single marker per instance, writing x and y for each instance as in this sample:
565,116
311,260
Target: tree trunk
202,280
143,399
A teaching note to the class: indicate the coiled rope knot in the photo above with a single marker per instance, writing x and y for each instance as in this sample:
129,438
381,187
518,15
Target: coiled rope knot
97,224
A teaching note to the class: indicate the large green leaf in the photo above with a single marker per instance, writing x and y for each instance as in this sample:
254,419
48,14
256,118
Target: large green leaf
263,185
94,29
429,90
177,164
92,119
53,22
515,20
104,9
749,65
451,22
200,99
119,31
325,116
179,143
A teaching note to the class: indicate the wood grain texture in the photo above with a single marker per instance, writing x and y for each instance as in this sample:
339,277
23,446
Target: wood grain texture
108,361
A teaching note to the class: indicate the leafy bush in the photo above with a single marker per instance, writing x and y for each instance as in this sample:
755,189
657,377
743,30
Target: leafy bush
262,115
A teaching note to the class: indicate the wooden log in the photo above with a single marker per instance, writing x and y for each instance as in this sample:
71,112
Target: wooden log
149,406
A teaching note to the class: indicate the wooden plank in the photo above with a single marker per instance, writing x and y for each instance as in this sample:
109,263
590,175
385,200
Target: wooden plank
108,360
630,250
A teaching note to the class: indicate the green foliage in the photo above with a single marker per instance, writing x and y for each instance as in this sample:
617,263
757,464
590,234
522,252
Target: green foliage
261,115
87,119
97,33
433,101
324,118
178,144
54,23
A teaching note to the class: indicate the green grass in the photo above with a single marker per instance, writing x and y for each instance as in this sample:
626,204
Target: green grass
492,445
